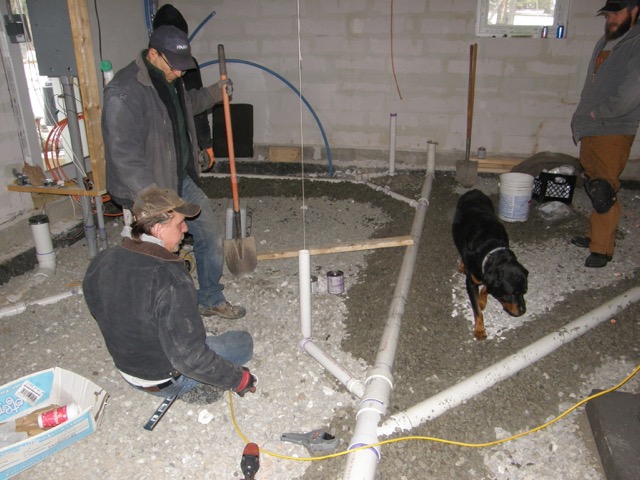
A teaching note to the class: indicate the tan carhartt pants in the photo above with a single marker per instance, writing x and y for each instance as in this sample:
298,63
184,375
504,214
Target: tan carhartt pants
605,157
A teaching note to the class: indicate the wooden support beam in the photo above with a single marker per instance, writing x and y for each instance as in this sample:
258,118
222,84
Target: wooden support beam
89,88
75,191
497,164
372,244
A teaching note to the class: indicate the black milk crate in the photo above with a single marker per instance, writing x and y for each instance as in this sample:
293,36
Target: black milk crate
553,187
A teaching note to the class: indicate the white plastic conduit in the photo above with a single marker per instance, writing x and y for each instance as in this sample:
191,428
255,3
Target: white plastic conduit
45,253
341,374
22,306
362,464
304,269
431,156
472,386
354,385
393,118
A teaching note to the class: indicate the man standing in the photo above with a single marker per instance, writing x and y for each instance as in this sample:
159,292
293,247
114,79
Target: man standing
150,140
167,14
145,303
606,122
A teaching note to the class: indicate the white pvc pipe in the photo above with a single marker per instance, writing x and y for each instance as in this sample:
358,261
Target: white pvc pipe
44,245
387,191
431,156
304,269
362,464
22,306
472,386
345,377
392,143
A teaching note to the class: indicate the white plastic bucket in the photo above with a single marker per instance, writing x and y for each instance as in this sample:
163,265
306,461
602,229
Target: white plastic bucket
515,196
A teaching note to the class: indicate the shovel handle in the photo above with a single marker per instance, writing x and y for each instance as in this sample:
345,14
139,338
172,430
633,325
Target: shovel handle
473,53
227,120
222,62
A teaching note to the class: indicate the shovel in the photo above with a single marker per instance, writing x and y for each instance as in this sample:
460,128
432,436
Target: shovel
467,171
240,251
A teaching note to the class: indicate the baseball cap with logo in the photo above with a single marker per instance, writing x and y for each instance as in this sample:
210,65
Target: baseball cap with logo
617,5
155,201
174,44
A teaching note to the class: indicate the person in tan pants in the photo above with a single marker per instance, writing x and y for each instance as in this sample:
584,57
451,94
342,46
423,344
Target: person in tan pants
605,123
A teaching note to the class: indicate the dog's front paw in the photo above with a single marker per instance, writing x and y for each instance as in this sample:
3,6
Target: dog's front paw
480,334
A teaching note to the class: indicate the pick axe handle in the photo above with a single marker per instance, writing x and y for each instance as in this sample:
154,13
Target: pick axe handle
227,120
473,53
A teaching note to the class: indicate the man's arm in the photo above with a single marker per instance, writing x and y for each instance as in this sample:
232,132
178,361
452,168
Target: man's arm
124,134
183,336
204,98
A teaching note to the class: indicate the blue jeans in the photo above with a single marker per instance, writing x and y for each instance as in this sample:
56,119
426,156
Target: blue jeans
235,346
207,246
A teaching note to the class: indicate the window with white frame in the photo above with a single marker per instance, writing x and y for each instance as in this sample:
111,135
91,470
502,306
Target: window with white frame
520,18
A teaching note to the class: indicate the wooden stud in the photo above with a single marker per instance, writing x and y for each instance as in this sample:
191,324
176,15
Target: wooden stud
89,90
403,241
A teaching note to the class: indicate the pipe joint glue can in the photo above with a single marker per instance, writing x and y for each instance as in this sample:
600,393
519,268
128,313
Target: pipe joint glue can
335,282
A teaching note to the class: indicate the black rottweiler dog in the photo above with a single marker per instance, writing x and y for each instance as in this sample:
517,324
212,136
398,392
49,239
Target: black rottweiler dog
486,260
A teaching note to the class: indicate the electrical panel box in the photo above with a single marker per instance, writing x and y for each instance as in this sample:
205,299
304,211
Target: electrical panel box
15,27
52,38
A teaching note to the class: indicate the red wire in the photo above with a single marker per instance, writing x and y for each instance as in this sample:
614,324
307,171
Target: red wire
47,146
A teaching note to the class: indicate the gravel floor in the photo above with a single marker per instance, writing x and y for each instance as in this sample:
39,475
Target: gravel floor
436,350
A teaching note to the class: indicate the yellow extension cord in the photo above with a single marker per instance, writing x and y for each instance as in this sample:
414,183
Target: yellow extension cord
433,439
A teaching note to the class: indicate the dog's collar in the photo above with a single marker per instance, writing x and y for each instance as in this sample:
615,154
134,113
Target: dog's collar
486,257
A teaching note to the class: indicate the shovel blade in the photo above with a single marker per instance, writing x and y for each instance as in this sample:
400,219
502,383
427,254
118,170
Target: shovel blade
467,173
240,255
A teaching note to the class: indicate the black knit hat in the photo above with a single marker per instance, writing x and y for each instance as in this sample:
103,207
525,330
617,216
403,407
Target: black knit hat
617,5
170,15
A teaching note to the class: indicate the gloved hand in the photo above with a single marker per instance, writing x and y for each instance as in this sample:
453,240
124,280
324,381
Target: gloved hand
228,84
247,384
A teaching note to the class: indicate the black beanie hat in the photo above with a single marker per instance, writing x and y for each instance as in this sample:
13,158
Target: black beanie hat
170,15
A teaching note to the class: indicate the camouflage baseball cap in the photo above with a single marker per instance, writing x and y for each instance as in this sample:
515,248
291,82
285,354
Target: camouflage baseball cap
155,201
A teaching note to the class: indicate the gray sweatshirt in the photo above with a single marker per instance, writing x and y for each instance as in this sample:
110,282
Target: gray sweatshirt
610,100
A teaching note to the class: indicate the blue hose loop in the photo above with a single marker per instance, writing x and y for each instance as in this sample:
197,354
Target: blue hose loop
148,14
202,23
290,85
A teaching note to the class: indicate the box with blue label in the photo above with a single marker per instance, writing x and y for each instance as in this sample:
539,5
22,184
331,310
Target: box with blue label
42,413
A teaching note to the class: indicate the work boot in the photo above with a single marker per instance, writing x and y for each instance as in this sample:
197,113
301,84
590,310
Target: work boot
224,310
597,260
582,242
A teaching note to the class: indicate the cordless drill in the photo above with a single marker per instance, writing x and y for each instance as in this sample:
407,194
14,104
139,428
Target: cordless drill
250,461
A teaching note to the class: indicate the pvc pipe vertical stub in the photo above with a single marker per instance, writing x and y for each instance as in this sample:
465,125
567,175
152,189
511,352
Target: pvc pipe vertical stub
431,156
44,245
392,143
304,278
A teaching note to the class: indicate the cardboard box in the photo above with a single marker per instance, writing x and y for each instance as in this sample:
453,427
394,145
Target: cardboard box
31,393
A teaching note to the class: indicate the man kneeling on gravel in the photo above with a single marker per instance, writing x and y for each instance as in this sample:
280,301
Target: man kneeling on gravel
145,302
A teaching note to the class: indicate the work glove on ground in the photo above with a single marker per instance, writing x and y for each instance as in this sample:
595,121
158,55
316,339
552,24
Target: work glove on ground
247,384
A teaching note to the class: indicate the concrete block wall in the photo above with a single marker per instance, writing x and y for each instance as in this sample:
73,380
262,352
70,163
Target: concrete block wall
526,88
